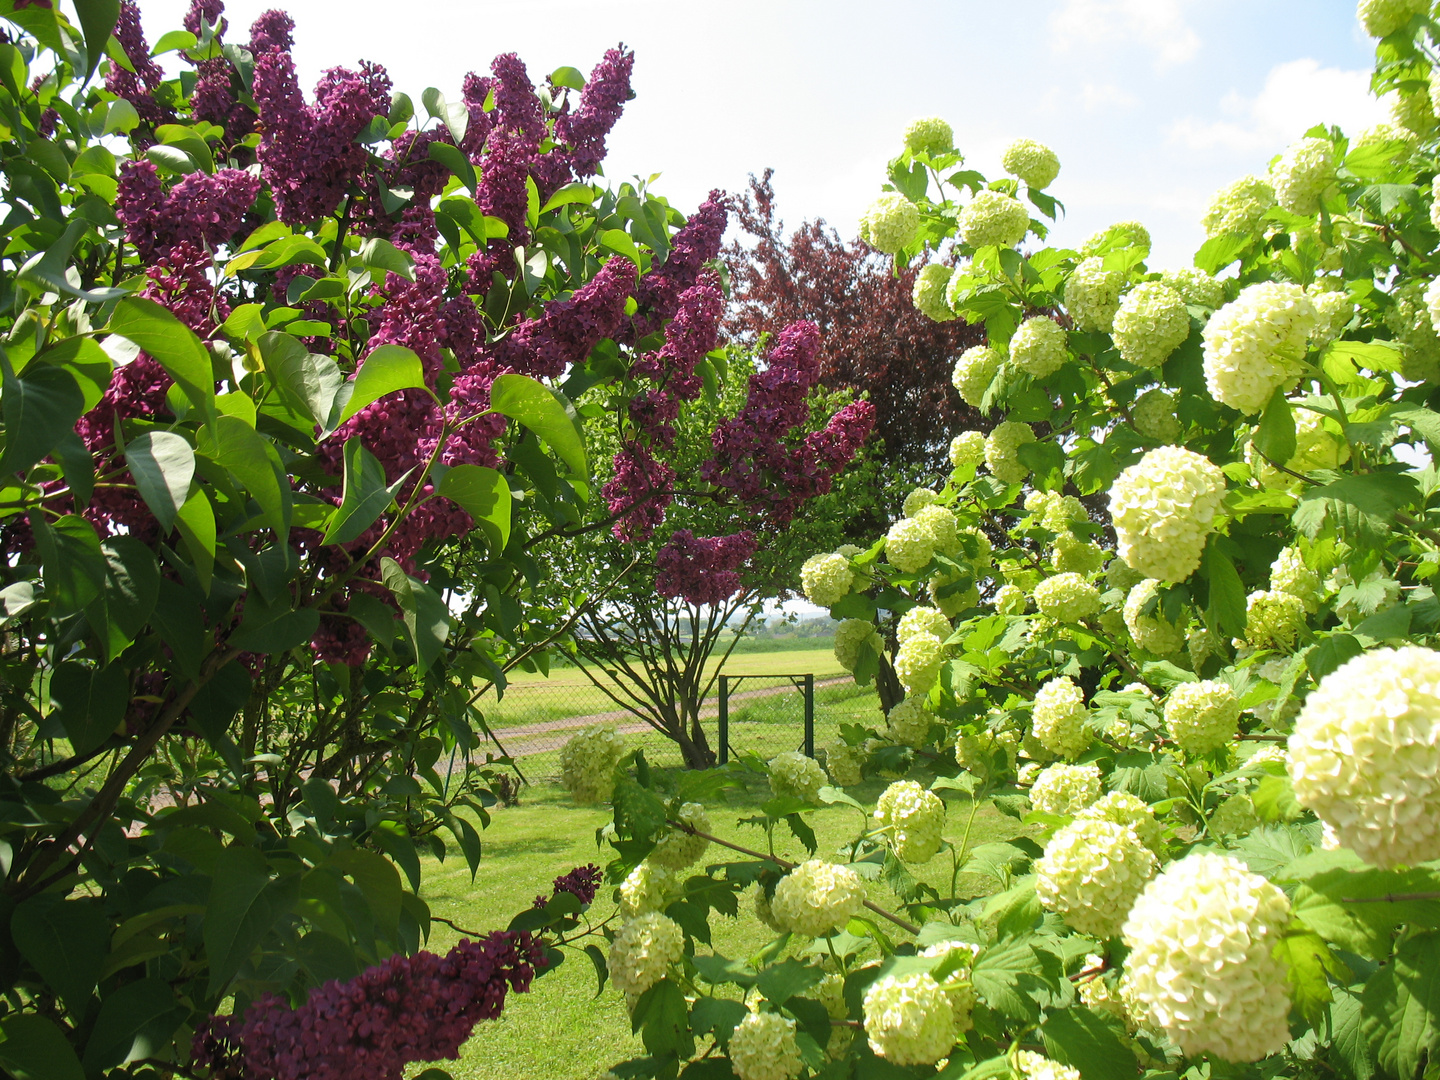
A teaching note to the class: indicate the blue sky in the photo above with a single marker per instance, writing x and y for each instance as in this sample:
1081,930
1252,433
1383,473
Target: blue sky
1151,104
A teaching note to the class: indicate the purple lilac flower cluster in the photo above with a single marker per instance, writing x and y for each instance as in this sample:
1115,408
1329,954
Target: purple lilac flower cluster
137,85
582,883
199,209
601,104
702,570
406,1009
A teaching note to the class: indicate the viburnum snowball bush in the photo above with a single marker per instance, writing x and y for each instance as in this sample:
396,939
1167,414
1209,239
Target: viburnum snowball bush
1092,295
826,579
976,753
1201,937
1163,507
850,636
1202,716
967,448
1039,346
650,887
909,545
1123,808
817,898
1254,343
914,819
1010,600
908,1020
1365,755
1195,286
1058,718
1033,1066
1002,450
890,223
929,293
1091,873
939,522
1033,163
1273,619
974,371
642,952
1150,324
1154,416
763,1047
918,661
1289,574
677,848
993,218
1123,234
1065,789
587,762
1151,632
919,619
1237,208
796,775
1302,174
1067,597
1383,17
1235,816
908,722
844,762
929,135
957,985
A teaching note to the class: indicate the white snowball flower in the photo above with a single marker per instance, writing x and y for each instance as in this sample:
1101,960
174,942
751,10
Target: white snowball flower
976,753
908,722
1195,286
931,285
1288,573
588,760
967,448
648,888
914,819
677,849
1150,324
851,636
826,579
1302,174
1254,344
974,372
1002,451
1058,718
1163,507
817,898
1365,755
1201,967
1381,18
796,775
1123,808
1122,234
1238,207
1040,346
1202,716
642,953
843,762
909,545
763,1047
1010,600
1154,416
917,500
1067,598
1273,620
1065,789
919,619
890,223
1333,311
1034,1066
908,1019
940,523
1033,163
929,135
1091,873
957,986
1092,295
993,218
918,661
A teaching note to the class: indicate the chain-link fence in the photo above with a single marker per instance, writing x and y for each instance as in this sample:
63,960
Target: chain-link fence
766,715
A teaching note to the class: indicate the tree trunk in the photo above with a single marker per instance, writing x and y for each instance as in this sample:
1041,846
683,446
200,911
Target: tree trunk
887,684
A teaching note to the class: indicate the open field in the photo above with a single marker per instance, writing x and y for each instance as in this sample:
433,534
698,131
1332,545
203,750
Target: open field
561,1030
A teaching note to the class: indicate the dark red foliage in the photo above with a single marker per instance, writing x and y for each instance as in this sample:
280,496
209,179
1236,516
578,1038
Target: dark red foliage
872,338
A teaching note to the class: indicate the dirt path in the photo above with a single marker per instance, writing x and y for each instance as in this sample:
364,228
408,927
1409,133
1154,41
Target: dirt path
527,740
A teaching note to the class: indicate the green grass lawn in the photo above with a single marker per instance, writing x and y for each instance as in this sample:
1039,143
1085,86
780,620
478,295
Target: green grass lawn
560,1030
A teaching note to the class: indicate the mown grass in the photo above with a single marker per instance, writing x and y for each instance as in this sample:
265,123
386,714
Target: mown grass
561,1030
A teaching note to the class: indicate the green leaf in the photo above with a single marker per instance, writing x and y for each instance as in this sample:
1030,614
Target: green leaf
173,345
184,138
1220,251
454,115
163,465
379,254
89,704
40,407
286,631
196,522
70,560
663,1020
1360,508
97,20
136,1021
1080,1039
719,1015
387,369
66,941
238,914
1004,975
567,77
49,270
121,116
570,193
1331,653
545,413
1421,421
1275,800
618,241
307,381
454,159
365,494
172,159
236,447
1275,437
285,251
1348,1035
1348,907
1310,961
485,495
425,614
1226,610
377,879
131,588
783,981
35,1049
1401,1007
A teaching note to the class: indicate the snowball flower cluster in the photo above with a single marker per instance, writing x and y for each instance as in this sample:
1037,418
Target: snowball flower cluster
796,775
1365,755
642,953
648,888
929,135
1039,346
917,662
1195,286
939,522
957,985
918,619
1238,207
1065,789
588,760
763,1047
917,500
1123,808
1154,416
993,218
1058,718
967,448
890,223
1091,873
1033,163
1202,716
1200,965
817,898
914,818
677,849
976,753
1381,18
1333,310
929,292
1302,174
1150,324
1162,508
1092,295
826,579
851,636
1067,598
1235,816
908,1019
909,545
974,372
1002,450
1035,1066
843,762
908,722
1010,600
1123,234
1254,344
1288,573
1273,620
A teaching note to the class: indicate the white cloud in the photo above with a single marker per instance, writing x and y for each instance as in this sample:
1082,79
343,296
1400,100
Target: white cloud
1157,25
1297,95
1106,96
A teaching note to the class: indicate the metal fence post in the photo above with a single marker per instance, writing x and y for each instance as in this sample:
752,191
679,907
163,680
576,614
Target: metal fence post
810,715
723,719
